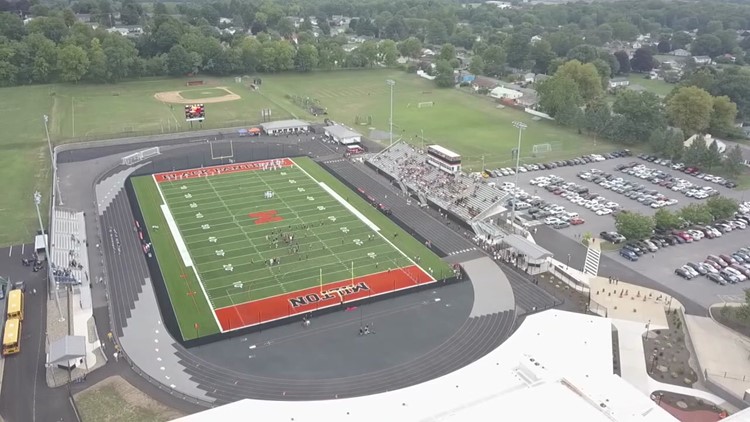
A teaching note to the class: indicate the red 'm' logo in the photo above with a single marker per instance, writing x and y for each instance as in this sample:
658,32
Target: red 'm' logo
263,217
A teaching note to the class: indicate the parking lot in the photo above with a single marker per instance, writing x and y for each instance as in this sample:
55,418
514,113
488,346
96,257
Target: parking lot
659,266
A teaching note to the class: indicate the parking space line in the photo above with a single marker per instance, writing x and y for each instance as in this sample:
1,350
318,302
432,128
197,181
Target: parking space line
10,250
22,248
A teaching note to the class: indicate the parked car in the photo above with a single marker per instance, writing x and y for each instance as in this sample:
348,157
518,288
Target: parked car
628,254
717,278
716,259
682,272
697,267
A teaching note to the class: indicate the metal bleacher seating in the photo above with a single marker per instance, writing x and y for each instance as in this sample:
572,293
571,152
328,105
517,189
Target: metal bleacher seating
68,248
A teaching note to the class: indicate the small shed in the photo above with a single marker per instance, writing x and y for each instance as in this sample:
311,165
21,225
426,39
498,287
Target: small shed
283,127
343,134
502,92
67,351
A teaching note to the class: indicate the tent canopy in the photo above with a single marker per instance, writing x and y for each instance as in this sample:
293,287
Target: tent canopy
66,349
526,247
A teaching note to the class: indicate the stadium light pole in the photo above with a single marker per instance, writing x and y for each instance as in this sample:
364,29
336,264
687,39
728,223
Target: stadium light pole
47,252
55,185
391,83
520,126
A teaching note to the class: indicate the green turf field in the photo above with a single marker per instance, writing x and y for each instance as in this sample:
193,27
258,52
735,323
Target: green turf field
230,252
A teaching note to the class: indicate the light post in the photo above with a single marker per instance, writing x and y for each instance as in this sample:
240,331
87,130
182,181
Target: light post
520,126
47,252
55,185
391,83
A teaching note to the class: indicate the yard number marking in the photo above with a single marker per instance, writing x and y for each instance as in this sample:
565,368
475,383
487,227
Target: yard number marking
238,284
300,189
345,229
321,208
188,196
310,198
220,252
183,187
193,205
357,242
199,215
292,181
228,267
205,227
332,218
283,173
212,239
371,255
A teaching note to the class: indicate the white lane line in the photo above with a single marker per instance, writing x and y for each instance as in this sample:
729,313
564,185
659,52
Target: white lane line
10,250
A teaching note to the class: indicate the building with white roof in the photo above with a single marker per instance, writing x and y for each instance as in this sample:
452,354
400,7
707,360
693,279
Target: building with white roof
343,134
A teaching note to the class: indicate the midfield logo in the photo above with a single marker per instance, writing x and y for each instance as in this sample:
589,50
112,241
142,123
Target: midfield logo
263,217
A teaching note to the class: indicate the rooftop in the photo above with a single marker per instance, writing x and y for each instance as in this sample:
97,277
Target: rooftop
340,131
284,124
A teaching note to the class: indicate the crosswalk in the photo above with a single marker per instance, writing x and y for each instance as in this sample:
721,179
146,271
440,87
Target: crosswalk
462,251
591,265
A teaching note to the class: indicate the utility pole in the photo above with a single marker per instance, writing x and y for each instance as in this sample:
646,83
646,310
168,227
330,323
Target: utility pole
520,126
55,185
391,83
47,252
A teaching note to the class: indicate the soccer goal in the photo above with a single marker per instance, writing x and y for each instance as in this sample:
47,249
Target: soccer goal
425,104
541,148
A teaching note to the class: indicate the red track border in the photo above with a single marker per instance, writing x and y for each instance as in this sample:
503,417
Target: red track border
172,176
312,299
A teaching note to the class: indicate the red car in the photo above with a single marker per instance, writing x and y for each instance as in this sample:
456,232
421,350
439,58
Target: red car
685,236
576,221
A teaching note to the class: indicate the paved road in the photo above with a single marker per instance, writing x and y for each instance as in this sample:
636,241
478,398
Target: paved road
21,400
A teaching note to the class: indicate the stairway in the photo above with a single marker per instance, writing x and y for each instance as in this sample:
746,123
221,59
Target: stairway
403,187
422,199
591,265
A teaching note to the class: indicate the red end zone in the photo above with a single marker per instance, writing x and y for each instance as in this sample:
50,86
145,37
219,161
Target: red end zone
308,300
172,176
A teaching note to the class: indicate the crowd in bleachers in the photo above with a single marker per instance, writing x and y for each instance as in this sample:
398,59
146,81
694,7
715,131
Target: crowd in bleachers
459,193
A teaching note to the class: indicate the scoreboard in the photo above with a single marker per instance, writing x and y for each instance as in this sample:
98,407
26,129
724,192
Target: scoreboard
195,113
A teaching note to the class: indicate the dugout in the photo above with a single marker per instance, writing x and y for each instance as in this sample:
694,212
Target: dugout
284,127
343,134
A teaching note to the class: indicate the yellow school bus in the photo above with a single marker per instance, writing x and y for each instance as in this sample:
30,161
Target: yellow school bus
12,337
15,304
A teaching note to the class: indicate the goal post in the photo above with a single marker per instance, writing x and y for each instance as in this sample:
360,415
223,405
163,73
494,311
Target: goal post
425,104
541,148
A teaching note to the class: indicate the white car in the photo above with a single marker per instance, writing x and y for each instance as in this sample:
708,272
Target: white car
604,211
737,274
551,220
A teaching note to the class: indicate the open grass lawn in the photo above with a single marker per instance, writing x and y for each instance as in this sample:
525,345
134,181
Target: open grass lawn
200,93
115,400
657,86
470,124
245,247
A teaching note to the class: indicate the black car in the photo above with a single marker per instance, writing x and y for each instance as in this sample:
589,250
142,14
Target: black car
697,267
684,274
716,278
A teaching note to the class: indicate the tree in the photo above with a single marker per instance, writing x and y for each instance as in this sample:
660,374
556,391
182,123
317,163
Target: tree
517,48
323,26
624,31
696,214
444,74
585,76
306,58
643,114
476,66
583,53
437,32
396,28
695,153
73,63
734,162
494,60
681,39
43,56
179,61
542,55
11,26
160,9
642,61
664,47
97,71
666,220
410,47
712,157
722,207
723,116
388,52
690,108
624,60
673,144
130,12
557,94
369,52
447,52
597,118
634,226
706,45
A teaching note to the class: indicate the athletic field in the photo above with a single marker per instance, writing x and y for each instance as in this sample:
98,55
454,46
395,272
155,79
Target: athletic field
265,240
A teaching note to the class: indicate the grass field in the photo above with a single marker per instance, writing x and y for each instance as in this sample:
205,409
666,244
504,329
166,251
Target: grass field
470,124
249,254
96,403
657,86
196,94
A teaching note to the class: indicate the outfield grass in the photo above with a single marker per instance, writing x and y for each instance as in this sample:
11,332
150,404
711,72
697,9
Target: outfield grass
231,252
467,123
196,94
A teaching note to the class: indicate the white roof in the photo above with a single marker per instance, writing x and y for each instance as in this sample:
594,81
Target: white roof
445,151
341,132
284,124
556,366
40,242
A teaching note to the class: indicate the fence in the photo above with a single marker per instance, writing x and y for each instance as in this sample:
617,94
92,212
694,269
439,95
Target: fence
722,391
139,156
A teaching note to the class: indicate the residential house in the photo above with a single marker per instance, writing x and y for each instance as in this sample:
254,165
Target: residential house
426,52
225,21
127,30
535,39
615,83
499,4
636,45
502,93
528,78
702,60
680,52
481,82
708,140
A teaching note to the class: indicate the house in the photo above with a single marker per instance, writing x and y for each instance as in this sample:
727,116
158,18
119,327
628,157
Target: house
535,39
225,21
502,93
615,83
465,78
702,60
426,52
680,52
528,78
483,83
637,45
127,30
498,4
708,140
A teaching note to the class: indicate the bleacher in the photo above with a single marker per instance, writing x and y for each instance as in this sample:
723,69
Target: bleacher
463,195
68,260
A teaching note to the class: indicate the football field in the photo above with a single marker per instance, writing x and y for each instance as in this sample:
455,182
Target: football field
265,240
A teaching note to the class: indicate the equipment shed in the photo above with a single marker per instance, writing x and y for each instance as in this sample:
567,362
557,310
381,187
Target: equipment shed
343,134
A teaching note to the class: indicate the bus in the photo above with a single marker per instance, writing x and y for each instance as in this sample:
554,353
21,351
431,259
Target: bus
12,337
15,304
